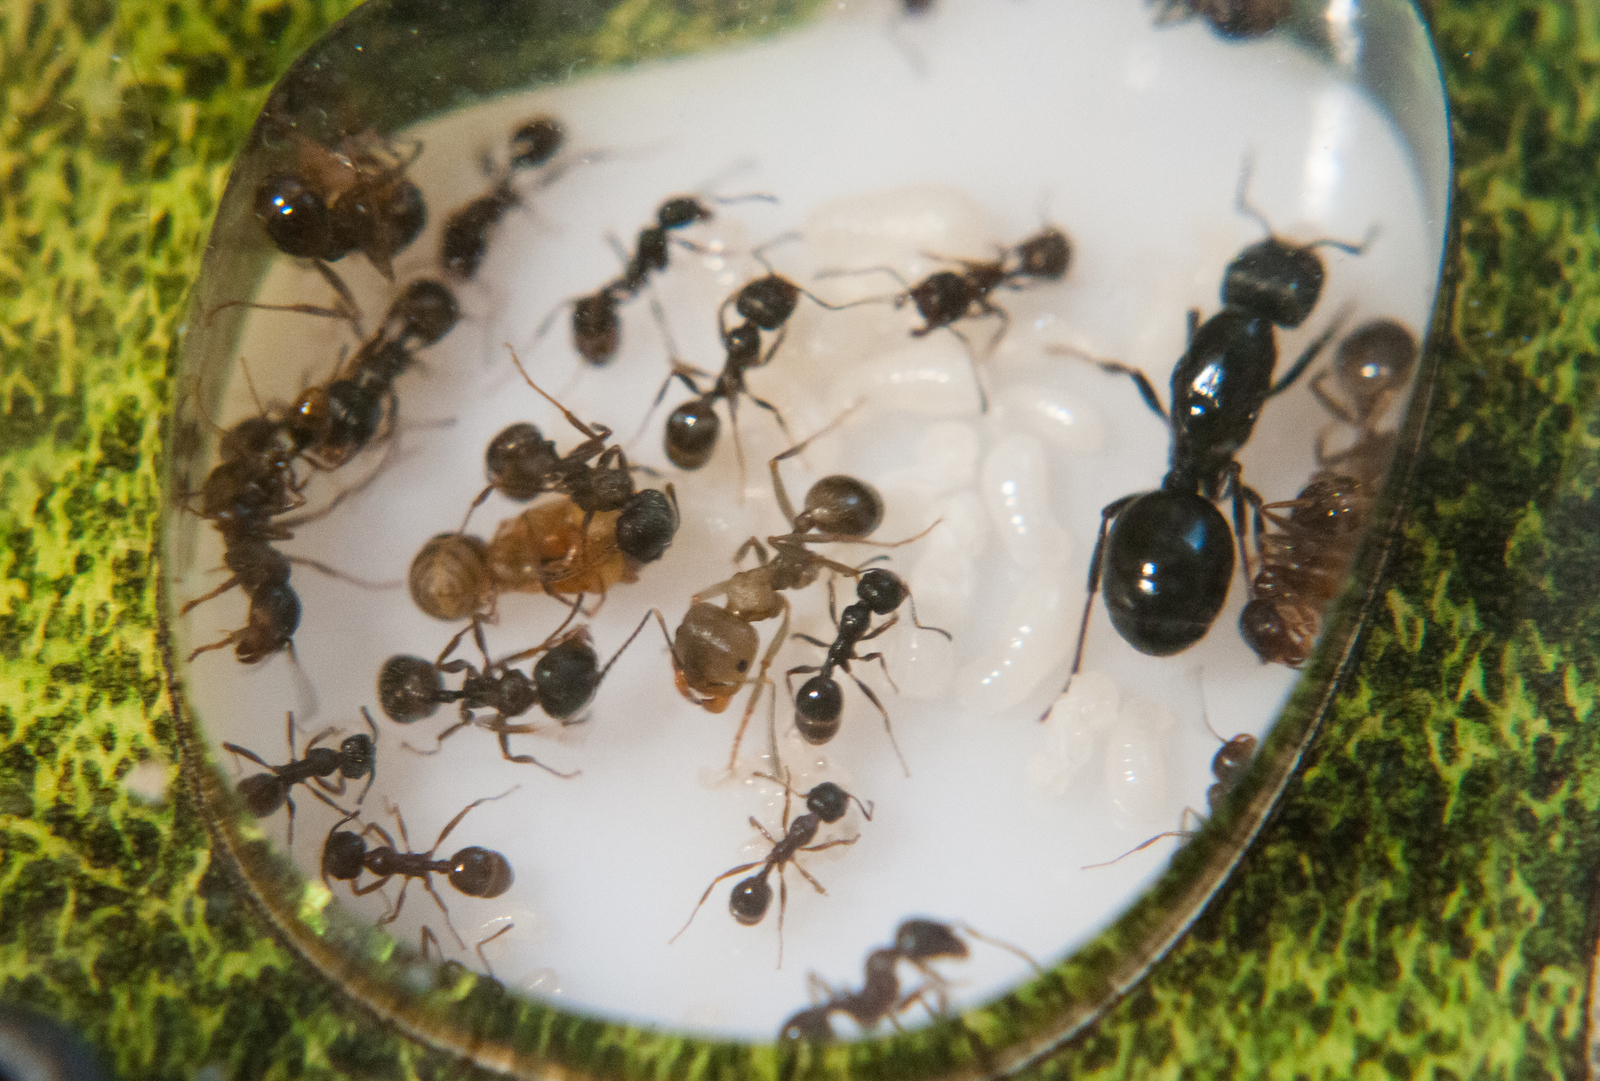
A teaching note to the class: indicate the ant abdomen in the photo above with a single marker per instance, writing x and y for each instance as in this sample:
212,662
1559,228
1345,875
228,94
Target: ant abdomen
596,327
264,793
478,872
818,708
1372,361
428,310
712,653
450,577
841,504
296,219
343,856
410,689
691,433
749,899
1169,557
925,940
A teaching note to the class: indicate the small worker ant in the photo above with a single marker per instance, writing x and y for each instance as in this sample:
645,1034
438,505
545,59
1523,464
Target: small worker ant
473,871
564,681
819,703
465,241
1303,560
946,297
264,793
1165,557
714,646
333,202
750,898
1237,20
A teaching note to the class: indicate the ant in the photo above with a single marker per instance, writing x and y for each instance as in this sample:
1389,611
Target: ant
333,202
264,793
715,646
1237,20
564,681
473,871
766,304
819,703
750,898
1165,557
1303,560
466,231
946,297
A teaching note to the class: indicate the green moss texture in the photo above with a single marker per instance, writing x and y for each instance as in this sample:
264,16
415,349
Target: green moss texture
1422,905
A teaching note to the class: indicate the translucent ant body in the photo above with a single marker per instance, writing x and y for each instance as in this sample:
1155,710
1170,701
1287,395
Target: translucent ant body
465,240
564,680
1165,558
1304,556
819,703
1238,20
751,897
264,793
473,871
332,202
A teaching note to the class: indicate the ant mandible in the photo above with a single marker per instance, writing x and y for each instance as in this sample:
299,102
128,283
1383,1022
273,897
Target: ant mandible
473,871
1165,557
264,793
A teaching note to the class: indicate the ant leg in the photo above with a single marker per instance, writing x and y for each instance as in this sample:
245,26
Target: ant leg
624,646
1241,197
427,884
1311,351
1131,851
219,591
783,906
457,819
426,937
741,869
487,967
599,433
769,407
881,664
1110,511
873,698
1015,951
438,744
1327,401
972,361
1114,367
760,681
374,886
777,480
234,748
527,759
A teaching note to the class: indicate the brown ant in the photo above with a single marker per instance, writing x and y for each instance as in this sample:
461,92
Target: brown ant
1303,559
564,681
1236,20
714,646
474,871
332,202
946,297
264,793
466,231
752,897
819,703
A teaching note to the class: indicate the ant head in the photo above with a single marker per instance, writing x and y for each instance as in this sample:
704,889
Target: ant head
296,218
409,689
595,327
263,793
343,854
691,434
274,615
356,756
924,940
841,504
750,898
647,524
809,1025
1046,254
519,460
829,802
768,302
1234,758
427,310
536,141
449,577
817,707
1274,280
1274,639
881,590
567,676
478,872
681,211
1374,361
385,222
257,437
1330,506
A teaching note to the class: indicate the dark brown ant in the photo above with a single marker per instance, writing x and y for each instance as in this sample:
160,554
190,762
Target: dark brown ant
819,704
1304,557
946,297
1237,20
715,646
752,897
466,232
264,793
332,202
474,871
564,681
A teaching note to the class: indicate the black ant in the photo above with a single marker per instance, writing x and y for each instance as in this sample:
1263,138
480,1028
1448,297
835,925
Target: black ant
1166,557
1234,19
1302,561
819,703
564,681
946,297
473,871
750,899
333,202
765,304
466,232
264,793
715,646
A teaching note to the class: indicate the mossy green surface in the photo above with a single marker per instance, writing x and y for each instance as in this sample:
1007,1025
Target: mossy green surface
1423,904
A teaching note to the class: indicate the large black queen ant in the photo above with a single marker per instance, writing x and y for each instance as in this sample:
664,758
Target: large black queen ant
1164,558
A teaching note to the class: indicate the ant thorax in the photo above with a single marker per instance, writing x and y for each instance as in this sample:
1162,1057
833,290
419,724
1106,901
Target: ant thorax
898,289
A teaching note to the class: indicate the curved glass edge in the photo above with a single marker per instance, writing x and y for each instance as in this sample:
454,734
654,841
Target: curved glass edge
453,1009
